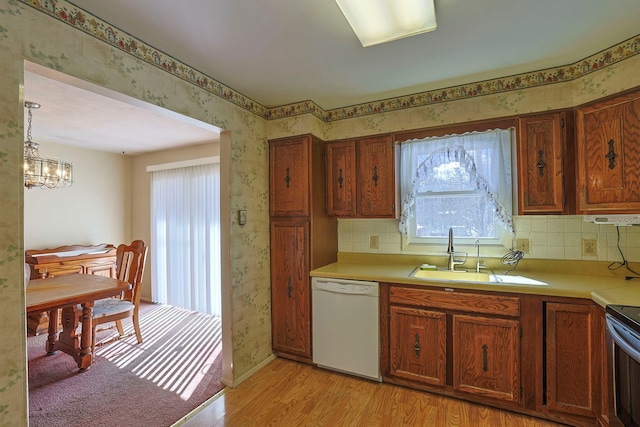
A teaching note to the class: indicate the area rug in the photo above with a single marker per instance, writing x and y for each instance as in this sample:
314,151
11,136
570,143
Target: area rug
175,369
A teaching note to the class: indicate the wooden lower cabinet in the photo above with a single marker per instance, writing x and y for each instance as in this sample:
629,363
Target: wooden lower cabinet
106,270
534,354
573,364
418,345
486,357
463,343
290,290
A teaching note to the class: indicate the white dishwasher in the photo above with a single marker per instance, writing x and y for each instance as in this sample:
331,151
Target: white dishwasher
345,319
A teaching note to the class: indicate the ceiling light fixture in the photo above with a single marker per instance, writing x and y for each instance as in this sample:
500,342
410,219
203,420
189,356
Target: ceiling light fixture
381,21
40,171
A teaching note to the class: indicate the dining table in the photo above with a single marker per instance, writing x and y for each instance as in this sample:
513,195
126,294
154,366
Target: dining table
75,295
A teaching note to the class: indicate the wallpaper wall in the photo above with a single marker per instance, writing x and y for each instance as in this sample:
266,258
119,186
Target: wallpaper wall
58,36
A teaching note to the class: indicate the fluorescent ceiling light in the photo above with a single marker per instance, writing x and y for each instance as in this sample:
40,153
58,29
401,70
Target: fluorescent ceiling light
380,21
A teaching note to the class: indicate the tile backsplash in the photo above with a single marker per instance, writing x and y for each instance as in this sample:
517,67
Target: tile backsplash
550,237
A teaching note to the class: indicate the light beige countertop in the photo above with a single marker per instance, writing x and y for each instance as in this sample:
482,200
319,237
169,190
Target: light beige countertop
575,279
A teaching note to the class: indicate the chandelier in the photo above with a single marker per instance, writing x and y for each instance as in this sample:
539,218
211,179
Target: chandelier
40,171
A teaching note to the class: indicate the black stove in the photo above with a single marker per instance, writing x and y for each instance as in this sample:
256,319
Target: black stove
627,314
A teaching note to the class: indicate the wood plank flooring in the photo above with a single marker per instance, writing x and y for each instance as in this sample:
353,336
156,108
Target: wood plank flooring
287,393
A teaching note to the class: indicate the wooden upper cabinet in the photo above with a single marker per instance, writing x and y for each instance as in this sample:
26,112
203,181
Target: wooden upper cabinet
540,164
341,178
289,162
376,177
608,137
361,178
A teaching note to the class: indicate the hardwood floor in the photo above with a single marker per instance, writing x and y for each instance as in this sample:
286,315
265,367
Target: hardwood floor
287,393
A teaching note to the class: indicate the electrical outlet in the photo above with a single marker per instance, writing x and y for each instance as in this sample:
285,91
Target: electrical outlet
589,247
523,245
374,242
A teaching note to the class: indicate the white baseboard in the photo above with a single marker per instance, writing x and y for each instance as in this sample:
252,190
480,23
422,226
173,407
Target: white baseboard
236,382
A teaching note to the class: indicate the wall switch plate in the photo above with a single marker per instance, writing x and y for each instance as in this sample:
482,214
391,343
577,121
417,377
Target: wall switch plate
589,247
242,216
523,245
374,242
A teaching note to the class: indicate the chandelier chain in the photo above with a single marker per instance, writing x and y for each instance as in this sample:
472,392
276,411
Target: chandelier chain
29,116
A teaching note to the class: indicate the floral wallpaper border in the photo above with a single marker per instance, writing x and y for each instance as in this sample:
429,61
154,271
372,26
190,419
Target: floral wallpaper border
82,20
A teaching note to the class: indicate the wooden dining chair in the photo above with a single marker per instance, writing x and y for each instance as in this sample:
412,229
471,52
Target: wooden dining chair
130,261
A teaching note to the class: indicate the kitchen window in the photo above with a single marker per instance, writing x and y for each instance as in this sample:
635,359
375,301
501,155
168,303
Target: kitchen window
462,182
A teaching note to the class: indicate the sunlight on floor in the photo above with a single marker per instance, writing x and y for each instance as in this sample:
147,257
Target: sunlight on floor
179,348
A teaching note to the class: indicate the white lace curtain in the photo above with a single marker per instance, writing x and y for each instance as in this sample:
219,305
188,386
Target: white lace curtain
490,174
185,237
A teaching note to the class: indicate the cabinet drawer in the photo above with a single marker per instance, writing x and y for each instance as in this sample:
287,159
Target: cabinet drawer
468,302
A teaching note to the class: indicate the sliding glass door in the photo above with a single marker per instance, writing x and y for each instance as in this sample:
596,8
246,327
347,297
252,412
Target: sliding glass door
185,237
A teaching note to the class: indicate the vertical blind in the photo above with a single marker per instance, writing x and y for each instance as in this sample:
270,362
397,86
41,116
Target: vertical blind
185,237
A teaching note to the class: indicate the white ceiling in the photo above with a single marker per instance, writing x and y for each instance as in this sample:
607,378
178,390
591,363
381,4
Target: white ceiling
81,114
278,52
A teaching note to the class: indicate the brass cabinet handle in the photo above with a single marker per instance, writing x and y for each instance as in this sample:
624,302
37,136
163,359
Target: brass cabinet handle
417,347
340,178
287,178
375,176
485,358
611,155
541,164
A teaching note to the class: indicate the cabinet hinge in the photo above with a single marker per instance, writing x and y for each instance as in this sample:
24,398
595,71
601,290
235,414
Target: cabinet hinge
562,123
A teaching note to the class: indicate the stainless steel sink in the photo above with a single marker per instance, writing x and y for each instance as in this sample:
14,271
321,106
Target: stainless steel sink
473,277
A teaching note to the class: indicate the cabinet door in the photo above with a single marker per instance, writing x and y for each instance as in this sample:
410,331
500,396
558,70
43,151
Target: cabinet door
107,270
289,177
540,156
376,177
486,357
570,358
608,156
290,293
341,178
418,345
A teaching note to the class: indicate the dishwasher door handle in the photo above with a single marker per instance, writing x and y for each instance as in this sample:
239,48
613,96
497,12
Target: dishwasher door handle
338,287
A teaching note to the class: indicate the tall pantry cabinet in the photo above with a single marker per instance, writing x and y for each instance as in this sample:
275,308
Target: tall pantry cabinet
303,238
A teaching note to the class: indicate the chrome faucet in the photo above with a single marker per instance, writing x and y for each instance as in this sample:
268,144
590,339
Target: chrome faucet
452,258
478,265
